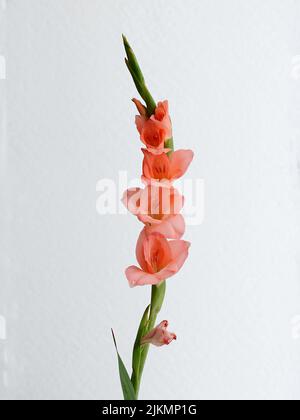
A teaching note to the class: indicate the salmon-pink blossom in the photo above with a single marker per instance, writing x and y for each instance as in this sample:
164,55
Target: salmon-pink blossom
158,207
158,258
161,167
159,336
154,131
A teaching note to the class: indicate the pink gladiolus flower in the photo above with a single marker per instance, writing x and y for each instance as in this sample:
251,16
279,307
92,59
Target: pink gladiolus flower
154,131
159,336
158,258
158,207
164,168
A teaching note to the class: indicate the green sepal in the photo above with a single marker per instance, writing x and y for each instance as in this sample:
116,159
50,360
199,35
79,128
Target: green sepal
157,298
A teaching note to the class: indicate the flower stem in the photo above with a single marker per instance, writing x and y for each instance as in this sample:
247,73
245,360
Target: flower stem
157,298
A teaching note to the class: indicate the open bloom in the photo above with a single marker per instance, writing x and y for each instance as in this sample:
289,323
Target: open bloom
154,131
164,168
158,258
159,336
158,207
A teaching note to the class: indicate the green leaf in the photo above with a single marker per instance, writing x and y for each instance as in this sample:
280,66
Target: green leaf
127,387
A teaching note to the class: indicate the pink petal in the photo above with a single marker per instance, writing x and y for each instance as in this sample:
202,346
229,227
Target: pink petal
146,219
162,183
180,161
147,164
176,200
156,166
172,228
169,337
139,251
179,251
138,277
166,272
162,110
157,252
131,199
158,151
165,104
160,199
140,122
150,201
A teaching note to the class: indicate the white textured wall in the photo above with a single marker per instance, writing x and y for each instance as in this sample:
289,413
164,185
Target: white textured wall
226,68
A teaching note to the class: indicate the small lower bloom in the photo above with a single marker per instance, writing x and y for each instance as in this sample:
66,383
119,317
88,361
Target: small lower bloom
159,336
158,258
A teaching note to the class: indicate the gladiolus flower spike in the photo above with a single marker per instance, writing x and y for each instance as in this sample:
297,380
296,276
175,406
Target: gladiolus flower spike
160,250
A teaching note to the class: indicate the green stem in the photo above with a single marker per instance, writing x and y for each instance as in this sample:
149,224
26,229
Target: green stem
137,349
157,298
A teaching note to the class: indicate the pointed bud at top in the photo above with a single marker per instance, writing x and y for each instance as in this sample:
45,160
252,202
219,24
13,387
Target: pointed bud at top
159,336
138,78
132,61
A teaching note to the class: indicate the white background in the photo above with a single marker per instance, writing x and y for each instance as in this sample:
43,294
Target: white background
227,69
